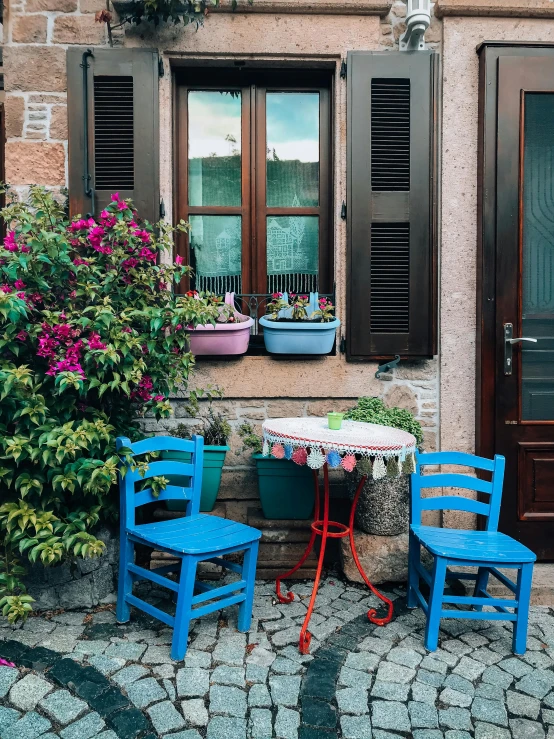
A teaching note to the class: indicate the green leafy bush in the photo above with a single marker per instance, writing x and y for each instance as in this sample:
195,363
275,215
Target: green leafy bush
91,338
373,410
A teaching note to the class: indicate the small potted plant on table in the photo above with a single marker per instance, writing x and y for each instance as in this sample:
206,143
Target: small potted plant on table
299,324
286,489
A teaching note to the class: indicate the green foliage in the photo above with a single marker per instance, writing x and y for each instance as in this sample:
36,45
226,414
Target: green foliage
213,426
373,410
250,440
91,338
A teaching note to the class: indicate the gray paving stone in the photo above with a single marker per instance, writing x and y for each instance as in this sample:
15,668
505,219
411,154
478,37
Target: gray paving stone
390,715
157,655
352,700
430,678
356,727
390,691
365,661
487,656
522,728
287,722
63,707
452,697
285,666
495,676
434,665
86,728
228,700
261,657
8,716
516,667
106,665
26,693
354,678
392,673
259,696
8,675
192,682
231,650
492,712
429,734
406,657
455,718
144,692
489,731
131,651
197,658
260,724
377,645
223,727
187,734
455,734
98,646
129,675
422,715
254,673
469,668
459,683
28,727
522,705
285,689
492,692
194,710
424,693
225,675
536,683
165,717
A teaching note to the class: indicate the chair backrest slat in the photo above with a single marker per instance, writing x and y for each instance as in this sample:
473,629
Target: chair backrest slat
185,476
419,482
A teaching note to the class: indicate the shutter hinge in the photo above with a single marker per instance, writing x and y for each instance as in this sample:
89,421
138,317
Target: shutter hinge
387,366
161,68
343,69
342,346
162,209
343,210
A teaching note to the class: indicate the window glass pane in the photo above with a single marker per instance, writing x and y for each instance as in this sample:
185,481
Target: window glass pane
538,259
216,246
214,148
292,253
292,149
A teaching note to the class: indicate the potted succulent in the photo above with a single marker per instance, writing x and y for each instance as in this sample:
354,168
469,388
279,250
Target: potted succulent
216,431
229,334
299,324
383,506
286,489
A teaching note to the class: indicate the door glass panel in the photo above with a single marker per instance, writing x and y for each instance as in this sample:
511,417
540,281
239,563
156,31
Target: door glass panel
292,253
216,248
538,259
214,130
292,149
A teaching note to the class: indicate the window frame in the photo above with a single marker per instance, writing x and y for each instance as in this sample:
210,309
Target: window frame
253,84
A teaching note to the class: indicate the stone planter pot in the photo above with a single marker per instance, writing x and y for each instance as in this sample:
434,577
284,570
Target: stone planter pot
384,505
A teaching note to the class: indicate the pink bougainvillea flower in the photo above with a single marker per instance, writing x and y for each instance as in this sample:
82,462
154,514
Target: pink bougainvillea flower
122,205
348,462
159,398
21,336
6,288
114,197
9,242
65,366
78,261
95,343
5,663
146,253
21,296
25,249
129,263
127,329
178,260
19,284
278,451
300,456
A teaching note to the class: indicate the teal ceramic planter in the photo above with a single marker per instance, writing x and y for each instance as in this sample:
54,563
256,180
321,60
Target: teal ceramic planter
286,489
214,459
299,337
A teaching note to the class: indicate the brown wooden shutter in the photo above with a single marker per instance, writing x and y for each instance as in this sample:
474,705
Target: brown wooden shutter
391,301
121,96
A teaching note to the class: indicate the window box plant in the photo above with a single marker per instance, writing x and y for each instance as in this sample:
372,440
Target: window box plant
216,431
228,335
286,489
383,506
299,324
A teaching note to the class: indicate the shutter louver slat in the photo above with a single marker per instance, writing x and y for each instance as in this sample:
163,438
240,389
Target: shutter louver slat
114,144
390,278
390,135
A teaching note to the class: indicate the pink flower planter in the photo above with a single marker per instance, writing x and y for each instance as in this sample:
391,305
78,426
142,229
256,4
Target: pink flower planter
223,338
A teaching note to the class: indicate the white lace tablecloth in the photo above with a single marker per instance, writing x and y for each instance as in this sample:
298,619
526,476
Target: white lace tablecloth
374,449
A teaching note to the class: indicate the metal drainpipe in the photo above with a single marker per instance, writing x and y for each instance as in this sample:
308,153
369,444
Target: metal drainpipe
89,191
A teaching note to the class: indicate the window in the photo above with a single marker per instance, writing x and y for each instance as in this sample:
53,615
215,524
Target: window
253,180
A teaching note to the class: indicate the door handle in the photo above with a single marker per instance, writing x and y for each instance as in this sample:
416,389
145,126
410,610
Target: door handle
509,341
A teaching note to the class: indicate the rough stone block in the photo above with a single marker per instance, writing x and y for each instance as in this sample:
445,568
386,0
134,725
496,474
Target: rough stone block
15,112
35,163
78,29
58,123
403,397
24,65
29,29
384,558
62,6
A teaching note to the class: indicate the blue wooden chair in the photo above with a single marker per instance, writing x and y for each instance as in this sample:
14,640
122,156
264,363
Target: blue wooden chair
487,550
194,538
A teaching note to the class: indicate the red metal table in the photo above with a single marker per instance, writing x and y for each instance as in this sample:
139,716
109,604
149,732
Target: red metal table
376,450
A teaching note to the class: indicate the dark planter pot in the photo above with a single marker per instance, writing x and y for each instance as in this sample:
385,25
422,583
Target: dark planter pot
214,459
286,489
384,505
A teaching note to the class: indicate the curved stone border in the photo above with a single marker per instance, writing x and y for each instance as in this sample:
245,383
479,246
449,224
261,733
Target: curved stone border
108,704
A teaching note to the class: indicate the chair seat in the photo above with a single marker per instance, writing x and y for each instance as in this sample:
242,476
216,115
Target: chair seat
481,546
196,534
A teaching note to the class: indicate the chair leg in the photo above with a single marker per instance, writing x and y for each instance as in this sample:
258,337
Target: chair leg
125,586
414,559
435,604
523,596
248,574
183,613
481,584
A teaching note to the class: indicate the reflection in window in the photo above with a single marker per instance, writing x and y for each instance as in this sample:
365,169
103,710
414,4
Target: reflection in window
216,245
292,253
214,148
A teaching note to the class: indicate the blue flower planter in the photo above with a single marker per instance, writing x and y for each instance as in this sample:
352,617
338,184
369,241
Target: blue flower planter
302,337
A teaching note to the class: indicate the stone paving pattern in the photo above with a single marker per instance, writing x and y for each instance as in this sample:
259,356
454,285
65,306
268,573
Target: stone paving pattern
80,675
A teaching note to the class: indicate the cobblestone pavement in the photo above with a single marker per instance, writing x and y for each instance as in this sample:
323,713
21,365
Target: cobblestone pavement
79,676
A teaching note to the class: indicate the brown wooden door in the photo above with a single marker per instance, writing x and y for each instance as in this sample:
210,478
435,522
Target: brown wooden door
518,295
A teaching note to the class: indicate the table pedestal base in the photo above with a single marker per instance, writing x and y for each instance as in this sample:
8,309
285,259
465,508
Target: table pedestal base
334,530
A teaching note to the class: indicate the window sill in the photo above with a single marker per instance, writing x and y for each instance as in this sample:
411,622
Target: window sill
495,8
297,7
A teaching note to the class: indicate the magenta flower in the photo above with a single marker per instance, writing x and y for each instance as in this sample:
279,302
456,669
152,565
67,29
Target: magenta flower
21,336
6,288
178,260
145,253
95,343
159,398
122,205
65,366
25,249
9,242
114,197
19,284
